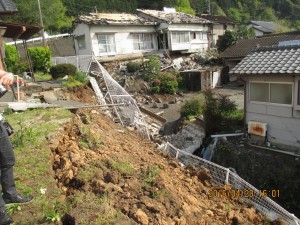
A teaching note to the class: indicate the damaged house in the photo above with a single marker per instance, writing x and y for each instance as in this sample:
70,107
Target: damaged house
108,34
272,93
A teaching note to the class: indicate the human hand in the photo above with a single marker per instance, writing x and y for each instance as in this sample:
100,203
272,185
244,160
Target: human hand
6,78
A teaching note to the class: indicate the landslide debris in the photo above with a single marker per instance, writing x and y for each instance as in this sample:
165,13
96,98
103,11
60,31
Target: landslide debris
112,176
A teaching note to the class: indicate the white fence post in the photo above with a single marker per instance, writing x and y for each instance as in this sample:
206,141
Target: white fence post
227,176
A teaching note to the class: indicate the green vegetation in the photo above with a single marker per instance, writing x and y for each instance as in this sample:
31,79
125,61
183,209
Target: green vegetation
152,68
39,76
32,171
13,62
133,67
41,58
150,175
220,114
191,108
165,82
123,167
62,70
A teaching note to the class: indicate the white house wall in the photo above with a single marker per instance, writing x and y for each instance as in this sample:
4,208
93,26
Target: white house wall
283,122
83,29
192,46
123,38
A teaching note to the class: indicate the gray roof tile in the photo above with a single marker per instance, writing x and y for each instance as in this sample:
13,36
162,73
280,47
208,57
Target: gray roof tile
274,60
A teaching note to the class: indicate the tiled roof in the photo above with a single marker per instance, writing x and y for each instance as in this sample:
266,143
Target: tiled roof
272,60
172,17
266,26
7,7
244,46
217,19
113,19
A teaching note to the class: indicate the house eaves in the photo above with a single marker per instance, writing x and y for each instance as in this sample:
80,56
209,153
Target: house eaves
244,46
284,60
112,19
171,17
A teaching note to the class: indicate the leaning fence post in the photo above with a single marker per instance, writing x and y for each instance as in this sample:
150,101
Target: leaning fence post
177,153
227,176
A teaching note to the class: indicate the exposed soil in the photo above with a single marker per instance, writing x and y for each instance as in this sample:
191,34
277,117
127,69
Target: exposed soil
136,182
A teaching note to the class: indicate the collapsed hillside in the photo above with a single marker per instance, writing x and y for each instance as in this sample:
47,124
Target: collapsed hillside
112,176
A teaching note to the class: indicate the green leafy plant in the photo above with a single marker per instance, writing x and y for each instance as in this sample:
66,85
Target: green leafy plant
123,167
191,108
133,66
11,58
52,214
152,68
12,208
62,70
149,176
41,58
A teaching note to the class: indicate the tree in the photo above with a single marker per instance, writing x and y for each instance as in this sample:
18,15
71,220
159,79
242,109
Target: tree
185,6
229,39
53,13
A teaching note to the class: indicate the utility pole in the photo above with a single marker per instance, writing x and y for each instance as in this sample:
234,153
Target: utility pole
96,10
41,22
208,6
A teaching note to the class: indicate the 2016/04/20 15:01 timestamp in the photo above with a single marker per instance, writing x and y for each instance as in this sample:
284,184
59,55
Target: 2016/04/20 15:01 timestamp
231,193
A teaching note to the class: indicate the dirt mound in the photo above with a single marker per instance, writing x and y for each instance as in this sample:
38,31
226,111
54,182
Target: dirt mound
112,176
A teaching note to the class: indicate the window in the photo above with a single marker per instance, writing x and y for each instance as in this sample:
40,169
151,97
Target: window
196,35
180,37
259,92
281,93
142,41
276,93
81,42
106,43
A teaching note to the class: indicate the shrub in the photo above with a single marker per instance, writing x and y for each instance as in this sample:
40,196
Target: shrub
155,89
166,83
133,66
81,77
11,58
62,70
191,108
71,82
152,68
220,114
41,58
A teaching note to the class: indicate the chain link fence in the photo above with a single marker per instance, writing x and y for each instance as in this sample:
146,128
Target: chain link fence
112,92
221,176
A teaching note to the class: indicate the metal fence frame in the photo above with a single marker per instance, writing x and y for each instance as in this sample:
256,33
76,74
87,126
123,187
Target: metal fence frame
221,175
126,107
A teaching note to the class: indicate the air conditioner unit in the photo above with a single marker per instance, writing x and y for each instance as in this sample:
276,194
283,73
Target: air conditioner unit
257,128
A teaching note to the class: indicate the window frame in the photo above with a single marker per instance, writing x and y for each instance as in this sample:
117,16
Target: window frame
177,35
142,41
297,94
269,97
107,43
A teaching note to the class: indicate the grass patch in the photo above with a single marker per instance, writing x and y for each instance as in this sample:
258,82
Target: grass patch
33,164
42,76
150,175
123,167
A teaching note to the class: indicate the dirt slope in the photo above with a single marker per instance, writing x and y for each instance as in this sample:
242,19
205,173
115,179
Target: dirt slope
111,176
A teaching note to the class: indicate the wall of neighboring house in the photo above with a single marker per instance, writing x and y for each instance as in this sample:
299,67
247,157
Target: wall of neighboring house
186,37
275,100
257,32
122,39
82,38
219,30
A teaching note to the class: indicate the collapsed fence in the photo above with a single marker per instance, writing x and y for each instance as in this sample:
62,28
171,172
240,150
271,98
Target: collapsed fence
125,107
221,176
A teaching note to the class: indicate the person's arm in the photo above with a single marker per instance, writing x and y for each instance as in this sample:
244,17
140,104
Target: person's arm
6,78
